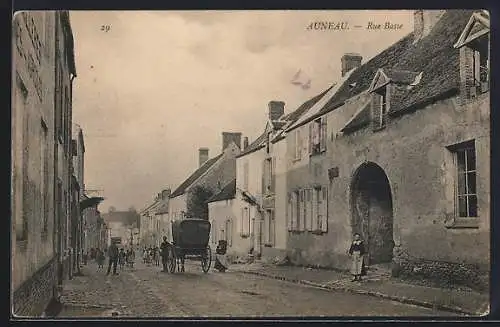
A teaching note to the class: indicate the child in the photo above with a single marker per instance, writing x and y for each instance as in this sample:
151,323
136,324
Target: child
356,251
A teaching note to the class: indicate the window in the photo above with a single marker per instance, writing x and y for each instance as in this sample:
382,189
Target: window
480,66
289,216
59,104
44,171
298,145
381,108
296,216
20,129
466,194
245,222
269,175
317,136
270,227
229,232
268,142
302,211
245,176
214,232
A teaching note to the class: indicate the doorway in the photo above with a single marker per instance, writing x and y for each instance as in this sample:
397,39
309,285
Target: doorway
372,212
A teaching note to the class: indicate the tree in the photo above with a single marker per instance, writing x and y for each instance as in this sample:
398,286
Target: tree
197,206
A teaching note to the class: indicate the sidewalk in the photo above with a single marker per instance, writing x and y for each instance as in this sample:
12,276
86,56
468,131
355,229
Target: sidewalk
462,301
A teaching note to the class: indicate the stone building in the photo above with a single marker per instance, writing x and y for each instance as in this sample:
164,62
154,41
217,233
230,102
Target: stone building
403,157
223,217
210,177
43,70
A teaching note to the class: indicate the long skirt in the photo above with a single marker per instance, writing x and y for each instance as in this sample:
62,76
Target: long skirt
220,262
357,263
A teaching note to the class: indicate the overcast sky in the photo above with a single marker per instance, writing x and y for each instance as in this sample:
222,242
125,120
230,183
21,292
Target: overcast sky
157,86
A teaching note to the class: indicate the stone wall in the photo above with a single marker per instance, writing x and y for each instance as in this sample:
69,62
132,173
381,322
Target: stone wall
33,296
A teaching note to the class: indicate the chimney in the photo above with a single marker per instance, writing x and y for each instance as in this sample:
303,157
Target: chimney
165,194
245,142
276,109
424,21
202,156
350,61
228,137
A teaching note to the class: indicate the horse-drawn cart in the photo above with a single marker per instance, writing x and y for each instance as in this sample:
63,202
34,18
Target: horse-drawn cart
189,240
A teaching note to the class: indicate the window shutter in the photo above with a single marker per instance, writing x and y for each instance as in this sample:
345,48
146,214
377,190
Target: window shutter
295,212
314,218
289,212
323,135
263,181
310,137
324,224
375,112
310,209
302,210
273,174
299,145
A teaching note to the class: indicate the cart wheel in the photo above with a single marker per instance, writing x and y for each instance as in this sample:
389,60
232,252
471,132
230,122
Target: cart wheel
172,262
206,260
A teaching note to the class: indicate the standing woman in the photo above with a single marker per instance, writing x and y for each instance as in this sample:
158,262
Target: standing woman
357,251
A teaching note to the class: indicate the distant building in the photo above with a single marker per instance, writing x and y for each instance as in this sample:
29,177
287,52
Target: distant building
210,177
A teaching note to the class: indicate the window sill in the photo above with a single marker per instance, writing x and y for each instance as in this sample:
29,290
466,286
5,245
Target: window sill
457,223
268,245
294,160
318,232
244,235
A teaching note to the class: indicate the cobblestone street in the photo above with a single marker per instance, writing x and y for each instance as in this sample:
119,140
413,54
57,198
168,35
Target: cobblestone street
147,292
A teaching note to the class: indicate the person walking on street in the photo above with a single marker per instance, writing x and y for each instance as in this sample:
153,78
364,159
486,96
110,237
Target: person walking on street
164,253
113,258
100,259
121,258
357,251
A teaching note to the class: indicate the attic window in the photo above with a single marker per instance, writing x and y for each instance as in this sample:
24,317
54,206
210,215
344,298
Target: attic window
474,56
380,105
480,63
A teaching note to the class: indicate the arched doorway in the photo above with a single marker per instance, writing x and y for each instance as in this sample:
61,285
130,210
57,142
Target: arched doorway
372,213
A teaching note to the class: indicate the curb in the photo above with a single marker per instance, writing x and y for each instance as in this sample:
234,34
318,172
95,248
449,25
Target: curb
401,299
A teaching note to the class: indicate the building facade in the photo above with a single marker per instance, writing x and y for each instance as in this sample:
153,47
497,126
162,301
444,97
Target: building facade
403,159
43,70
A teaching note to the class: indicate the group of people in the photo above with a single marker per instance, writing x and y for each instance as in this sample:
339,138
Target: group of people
151,256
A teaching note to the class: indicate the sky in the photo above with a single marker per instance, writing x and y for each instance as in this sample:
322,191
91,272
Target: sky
153,87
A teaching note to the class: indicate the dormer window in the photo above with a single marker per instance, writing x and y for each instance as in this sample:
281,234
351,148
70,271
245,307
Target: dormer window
474,56
386,88
383,106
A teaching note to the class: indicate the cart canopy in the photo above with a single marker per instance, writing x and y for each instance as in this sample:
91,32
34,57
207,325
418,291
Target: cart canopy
191,233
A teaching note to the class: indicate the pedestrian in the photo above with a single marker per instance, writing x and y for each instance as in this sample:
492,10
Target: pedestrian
164,247
144,255
157,256
357,251
121,258
100,259
221,263
113,258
